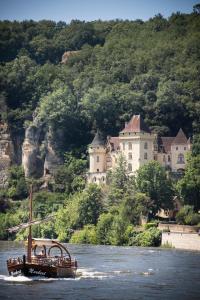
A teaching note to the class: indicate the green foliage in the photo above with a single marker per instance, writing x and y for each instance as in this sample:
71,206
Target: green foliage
103,228
147,238
82,209
118,231
85,236
70,177
151,225
152,180
17,186
189,186
118,181
186,216
90,205
134,206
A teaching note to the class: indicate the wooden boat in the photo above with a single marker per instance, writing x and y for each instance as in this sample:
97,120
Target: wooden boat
44,263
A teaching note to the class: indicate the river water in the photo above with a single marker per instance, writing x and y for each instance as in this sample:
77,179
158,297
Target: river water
107,272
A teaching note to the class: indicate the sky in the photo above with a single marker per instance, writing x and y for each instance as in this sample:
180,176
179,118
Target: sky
90,10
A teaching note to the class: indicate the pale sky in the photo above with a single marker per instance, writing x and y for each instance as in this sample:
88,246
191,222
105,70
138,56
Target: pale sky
90,10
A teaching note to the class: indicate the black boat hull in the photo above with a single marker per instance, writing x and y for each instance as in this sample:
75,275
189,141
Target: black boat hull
30,269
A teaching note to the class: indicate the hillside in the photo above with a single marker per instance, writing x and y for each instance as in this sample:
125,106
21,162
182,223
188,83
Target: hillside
121,67
59,84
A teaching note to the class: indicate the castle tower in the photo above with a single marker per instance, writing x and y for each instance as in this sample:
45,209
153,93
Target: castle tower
136,143
97,153
179,148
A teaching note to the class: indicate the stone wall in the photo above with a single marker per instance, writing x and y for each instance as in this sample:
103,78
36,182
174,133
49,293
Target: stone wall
178,228
188,241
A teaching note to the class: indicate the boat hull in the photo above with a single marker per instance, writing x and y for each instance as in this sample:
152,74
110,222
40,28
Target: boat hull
30,269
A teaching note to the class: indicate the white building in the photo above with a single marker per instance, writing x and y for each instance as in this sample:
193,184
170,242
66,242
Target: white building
139,146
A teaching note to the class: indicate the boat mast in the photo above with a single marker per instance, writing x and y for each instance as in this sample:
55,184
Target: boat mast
29,249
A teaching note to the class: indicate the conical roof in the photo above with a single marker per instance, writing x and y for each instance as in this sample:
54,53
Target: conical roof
136,124
98,140
180,138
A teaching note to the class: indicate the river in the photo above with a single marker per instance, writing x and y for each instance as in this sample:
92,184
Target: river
107,272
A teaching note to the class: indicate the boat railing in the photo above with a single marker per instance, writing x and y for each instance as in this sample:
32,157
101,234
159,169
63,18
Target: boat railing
15,261
47,261
53,261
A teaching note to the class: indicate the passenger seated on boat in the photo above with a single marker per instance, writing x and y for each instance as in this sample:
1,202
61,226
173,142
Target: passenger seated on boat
42,253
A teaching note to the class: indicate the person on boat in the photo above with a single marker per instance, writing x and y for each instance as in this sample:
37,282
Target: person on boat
42,253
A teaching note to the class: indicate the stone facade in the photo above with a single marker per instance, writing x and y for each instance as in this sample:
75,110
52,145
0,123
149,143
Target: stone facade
139,146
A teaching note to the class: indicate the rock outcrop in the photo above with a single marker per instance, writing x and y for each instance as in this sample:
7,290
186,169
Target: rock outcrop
66,56
31,159
52,160
39,158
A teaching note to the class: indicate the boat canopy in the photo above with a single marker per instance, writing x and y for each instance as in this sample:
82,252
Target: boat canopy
44,242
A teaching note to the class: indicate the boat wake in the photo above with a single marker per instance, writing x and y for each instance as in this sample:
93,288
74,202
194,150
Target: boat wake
81,274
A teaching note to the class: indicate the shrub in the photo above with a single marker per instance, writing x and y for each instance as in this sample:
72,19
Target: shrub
85,236
148,238
103,228
151,225
186,216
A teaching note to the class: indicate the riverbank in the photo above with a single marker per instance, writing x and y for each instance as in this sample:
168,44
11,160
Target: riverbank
180,236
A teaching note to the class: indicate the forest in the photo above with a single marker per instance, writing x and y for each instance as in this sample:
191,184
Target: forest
116,69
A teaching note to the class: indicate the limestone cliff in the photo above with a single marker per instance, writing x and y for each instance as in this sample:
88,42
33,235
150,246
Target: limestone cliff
39,157
31,160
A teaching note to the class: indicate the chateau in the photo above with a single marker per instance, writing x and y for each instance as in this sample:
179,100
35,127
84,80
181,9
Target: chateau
139,146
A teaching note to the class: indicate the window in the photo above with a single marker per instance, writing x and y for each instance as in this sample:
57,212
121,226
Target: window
129,146
103,178
94,179
169,159
164,160
176,148
130,167
181,159
97,158
97,170
145,145
123,146
130,155
145,155
184,148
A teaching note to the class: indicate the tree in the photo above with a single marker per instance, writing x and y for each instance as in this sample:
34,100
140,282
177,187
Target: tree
151,179
134,206
103,228
70,177
83,208
189,186
17,186
90,205
196,8
118,181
